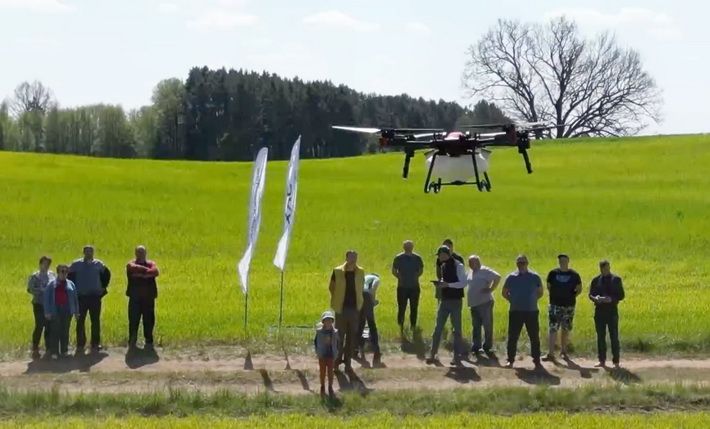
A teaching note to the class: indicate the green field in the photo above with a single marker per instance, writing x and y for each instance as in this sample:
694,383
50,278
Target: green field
643,203
581,421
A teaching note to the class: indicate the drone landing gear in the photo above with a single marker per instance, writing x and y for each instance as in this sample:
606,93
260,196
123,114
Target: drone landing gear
480,184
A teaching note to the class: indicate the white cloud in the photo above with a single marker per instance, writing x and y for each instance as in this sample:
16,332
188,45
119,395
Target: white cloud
222,19
41,6
337,19
418,28
168,8
658,24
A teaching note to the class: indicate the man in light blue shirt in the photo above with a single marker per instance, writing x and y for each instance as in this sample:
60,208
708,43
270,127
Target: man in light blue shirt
523,288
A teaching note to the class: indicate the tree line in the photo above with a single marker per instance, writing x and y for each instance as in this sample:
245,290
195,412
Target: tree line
221,115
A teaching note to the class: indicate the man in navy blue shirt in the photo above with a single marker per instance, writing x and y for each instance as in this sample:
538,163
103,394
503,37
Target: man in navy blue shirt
523,288
605,292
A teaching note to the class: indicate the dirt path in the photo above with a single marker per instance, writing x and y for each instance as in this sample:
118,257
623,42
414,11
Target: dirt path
236,370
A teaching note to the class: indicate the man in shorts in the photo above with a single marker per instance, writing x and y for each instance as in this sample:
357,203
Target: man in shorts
563,284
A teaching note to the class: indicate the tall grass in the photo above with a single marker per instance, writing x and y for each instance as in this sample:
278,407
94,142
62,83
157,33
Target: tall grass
384,420
643,203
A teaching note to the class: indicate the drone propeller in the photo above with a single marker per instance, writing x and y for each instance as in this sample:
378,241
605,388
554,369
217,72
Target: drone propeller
357,129
392,130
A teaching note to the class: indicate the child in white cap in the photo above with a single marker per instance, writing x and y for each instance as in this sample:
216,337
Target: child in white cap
326,345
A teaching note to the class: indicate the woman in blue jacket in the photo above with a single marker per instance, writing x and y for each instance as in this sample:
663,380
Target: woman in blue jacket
60,304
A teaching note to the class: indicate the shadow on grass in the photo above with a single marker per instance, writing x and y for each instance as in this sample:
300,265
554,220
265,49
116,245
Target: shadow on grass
416,346
537,376
463,374
136,358
303,380
350,382
81,363
268,383
490,360
584,372
623,375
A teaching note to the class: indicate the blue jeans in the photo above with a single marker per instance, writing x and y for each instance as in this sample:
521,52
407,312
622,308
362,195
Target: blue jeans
448,308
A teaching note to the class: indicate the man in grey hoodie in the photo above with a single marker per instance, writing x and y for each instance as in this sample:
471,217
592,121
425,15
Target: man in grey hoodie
91,278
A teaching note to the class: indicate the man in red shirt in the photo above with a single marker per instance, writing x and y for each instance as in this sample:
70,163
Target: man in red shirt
142,292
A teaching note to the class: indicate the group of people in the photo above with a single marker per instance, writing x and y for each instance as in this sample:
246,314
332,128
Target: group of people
77,290
352,293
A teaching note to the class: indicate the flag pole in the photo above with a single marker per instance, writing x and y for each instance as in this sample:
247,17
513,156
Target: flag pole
281,305
246,310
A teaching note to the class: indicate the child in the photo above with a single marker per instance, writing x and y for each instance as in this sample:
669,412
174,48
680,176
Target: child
60,304
326,345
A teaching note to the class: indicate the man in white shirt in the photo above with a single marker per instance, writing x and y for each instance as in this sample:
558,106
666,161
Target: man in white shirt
481,282
451,283
367,315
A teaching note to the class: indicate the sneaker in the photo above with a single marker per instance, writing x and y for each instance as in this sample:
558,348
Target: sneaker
456,362
550,357
601,364
617,365
55,356
564,355
431,360
96,349
148,347
509,364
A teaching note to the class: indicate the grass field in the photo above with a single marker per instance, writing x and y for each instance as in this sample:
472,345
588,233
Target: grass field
581,421
643,203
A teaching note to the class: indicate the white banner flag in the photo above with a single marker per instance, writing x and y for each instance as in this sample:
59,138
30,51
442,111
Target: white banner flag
290,207
257,191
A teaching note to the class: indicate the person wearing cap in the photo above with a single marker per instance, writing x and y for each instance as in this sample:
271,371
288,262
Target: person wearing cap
407,267
522,289
327,345
91,278
367,315
437,291
451,282
605,291
142,291
346,299
563,285
481,281
36,284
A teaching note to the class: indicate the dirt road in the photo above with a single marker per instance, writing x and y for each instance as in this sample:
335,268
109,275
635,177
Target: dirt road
209,370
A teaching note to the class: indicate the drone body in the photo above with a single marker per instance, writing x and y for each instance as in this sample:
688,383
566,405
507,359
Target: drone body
457,158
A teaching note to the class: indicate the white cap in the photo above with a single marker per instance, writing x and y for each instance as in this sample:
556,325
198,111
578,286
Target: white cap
327,315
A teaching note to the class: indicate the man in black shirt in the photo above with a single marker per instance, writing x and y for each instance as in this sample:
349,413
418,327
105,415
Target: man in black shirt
606,291
563,284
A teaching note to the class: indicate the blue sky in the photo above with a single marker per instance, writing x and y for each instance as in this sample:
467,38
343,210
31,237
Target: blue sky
115,52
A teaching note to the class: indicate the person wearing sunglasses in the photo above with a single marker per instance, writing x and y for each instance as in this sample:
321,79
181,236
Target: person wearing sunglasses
522,289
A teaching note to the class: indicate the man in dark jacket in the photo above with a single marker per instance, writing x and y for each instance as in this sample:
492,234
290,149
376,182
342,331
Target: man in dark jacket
91,278
605,291
142,292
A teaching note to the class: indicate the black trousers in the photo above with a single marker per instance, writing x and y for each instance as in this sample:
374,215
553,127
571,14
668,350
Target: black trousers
141,309
59,332
603,321
41,326
516,320
92,306
405,295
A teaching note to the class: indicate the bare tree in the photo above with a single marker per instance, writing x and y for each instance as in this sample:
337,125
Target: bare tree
550,73
31,97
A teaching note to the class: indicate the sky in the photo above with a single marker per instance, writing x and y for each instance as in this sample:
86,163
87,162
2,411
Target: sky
115,52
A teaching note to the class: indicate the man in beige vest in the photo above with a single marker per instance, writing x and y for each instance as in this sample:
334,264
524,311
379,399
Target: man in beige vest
346,286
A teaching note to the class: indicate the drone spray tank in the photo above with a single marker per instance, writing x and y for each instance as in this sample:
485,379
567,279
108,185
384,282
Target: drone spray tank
457,168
